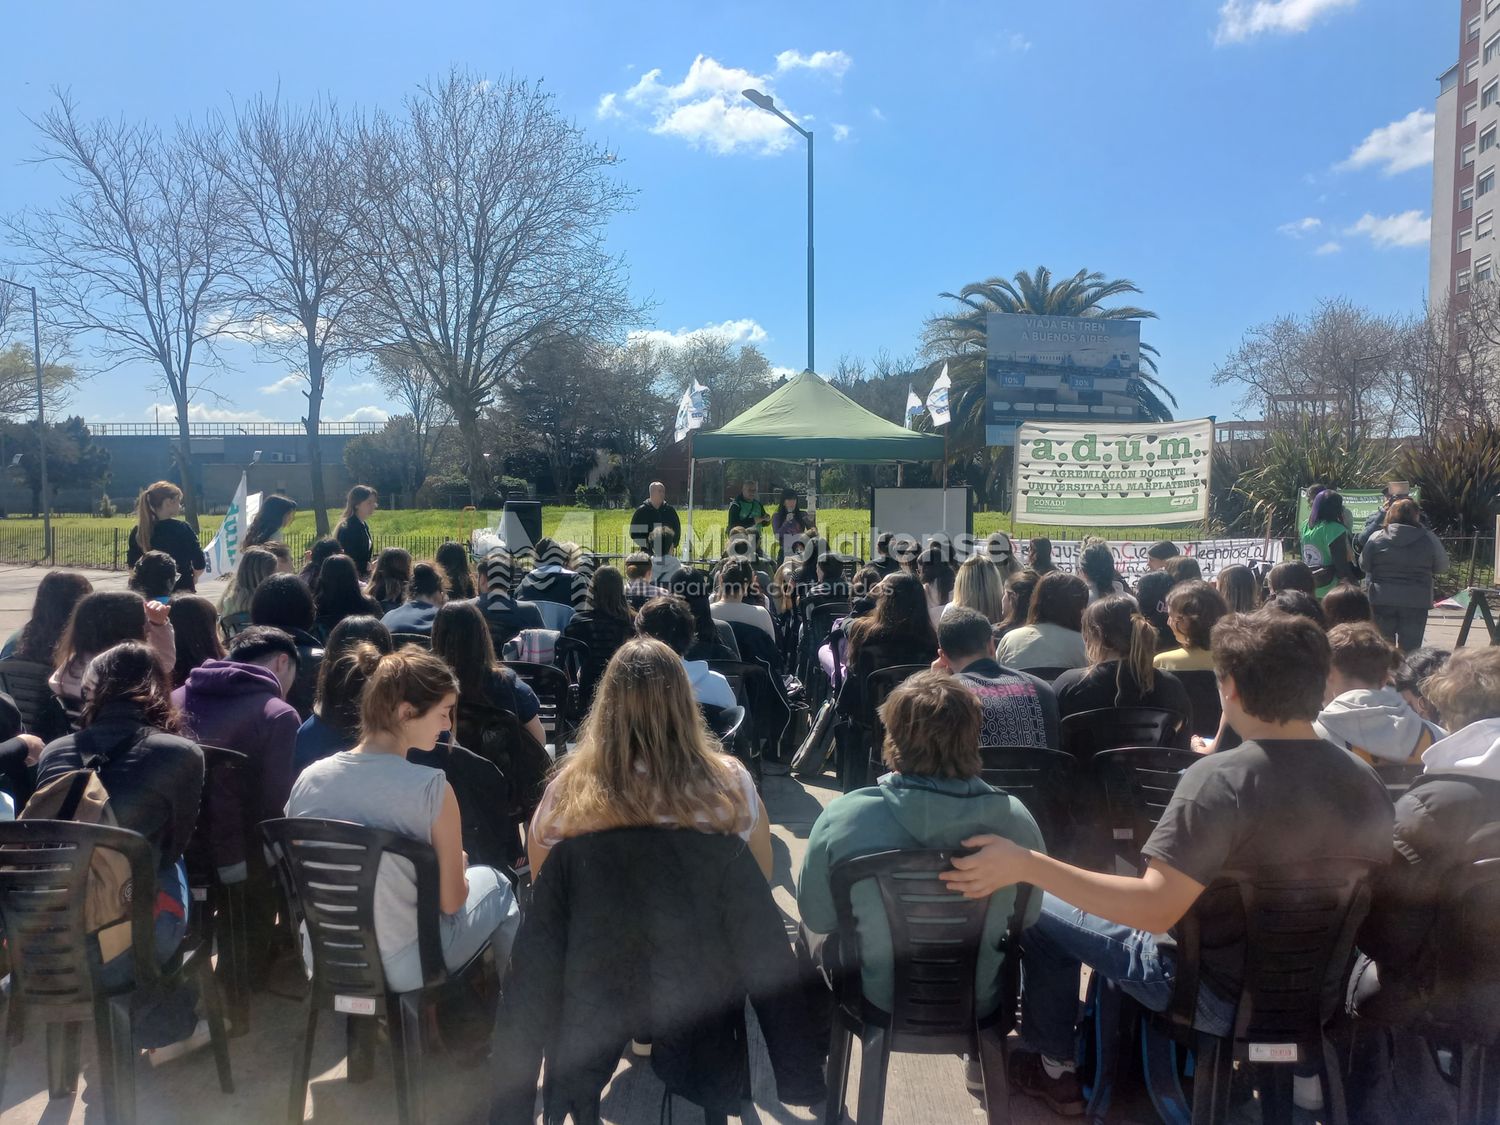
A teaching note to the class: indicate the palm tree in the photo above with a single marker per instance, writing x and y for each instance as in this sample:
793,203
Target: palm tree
960,340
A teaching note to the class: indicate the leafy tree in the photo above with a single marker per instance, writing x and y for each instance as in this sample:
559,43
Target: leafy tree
389,460
640,415
73,459
1304,451
18,383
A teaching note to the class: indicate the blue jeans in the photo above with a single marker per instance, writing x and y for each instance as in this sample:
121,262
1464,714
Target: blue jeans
169,1017
489,913
1061,940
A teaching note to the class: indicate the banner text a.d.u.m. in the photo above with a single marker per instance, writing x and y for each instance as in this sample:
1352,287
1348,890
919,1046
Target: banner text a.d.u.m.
1135,474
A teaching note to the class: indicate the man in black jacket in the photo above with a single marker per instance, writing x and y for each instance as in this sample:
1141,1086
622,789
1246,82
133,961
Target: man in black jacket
654,513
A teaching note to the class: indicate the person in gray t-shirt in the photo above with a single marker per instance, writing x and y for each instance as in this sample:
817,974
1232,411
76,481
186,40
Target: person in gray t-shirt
407,704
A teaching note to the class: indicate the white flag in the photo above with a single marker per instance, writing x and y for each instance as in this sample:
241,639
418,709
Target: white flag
913,406
692,411
937,399
223,550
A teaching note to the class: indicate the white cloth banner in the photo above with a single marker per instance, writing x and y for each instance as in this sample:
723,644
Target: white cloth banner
1213,555
692,411
1127,474
223,550
937,399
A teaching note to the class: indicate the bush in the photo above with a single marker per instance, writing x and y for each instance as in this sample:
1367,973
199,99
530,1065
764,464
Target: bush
448,490
589,496
106,506
1459,475
516,484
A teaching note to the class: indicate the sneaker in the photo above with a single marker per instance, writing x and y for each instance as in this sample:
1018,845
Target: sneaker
773,768
1307,1092
1062,1093
199,1038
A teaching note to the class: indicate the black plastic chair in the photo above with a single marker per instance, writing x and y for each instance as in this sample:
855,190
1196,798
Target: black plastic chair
1042,780
44,874
1300,924
1138,783
554,693
25,681
1202,689
332,867
935,935
766,713
221,908
725,722
878,686
1110,728
1398,776
820,622
232,623
421,640
1464,1004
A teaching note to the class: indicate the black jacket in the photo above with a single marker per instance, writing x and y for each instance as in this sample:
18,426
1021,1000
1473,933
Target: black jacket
1435,819
651,933
647,519
354,537
155,779
180,541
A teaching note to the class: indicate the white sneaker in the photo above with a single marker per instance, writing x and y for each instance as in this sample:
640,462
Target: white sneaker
199,1038
1307,1092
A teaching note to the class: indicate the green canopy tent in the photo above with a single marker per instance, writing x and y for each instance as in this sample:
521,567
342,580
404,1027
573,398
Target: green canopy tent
808,420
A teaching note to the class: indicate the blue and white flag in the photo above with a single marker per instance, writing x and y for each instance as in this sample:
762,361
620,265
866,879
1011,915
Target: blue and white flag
692,411
937,399
223,550
913,406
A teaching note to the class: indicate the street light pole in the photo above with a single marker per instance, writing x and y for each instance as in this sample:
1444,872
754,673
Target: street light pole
767,103
41,416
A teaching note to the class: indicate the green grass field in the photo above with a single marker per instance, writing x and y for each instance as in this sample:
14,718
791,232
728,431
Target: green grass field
430,522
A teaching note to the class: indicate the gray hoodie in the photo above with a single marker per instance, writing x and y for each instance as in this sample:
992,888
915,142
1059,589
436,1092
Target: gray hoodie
1400,561
1475,751
1378,725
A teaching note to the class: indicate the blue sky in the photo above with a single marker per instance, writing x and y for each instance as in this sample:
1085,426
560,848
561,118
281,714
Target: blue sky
1236,159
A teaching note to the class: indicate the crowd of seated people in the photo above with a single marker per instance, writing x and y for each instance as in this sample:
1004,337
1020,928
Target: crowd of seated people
338,722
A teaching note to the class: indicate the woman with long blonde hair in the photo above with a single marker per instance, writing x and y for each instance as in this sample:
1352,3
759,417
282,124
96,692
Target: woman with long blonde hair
253,567
980,586
157,528
645,759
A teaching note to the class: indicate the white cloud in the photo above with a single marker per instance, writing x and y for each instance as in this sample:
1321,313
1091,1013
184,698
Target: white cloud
708,109
835,63
784,372
876,114
1018,43
256,329
1300,227
1410,228
841,132
1326,248
366,414
287,382
1241,20
344,390
1400,146
197,412
742,331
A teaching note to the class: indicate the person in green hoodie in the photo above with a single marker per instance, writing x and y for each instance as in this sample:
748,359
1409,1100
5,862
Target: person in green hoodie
932,798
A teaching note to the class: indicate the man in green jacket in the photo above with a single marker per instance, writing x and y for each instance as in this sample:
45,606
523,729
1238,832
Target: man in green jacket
933,798
746,511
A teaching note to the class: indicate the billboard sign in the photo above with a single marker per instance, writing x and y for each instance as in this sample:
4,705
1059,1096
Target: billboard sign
1058,369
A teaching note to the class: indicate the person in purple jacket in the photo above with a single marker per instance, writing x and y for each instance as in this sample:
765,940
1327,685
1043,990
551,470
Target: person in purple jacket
240,704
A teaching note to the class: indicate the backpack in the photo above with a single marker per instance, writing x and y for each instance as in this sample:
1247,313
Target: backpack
538,646
79,795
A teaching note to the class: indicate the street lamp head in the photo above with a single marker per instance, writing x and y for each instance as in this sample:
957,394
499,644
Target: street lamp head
765,101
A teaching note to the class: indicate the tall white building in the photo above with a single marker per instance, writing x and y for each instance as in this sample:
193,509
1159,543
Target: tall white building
1466,157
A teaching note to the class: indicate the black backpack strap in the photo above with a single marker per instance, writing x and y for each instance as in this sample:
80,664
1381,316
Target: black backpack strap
69,808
